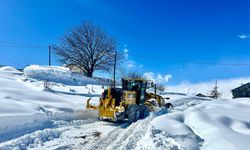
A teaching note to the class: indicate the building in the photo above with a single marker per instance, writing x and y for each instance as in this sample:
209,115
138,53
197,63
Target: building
76,70
242,91
201,95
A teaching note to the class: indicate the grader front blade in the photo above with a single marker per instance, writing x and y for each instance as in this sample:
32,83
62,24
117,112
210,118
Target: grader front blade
89,106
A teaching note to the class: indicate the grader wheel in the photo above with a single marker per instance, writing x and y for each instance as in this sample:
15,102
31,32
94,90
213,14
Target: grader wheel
133,113
144,111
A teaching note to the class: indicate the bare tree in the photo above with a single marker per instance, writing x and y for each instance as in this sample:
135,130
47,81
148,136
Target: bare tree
160,87
214,93
88,47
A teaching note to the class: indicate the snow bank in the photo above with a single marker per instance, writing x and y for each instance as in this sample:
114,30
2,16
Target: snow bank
25,107
207,124
223,124
224,87
32,140
57,74
174,132
14,126
9,69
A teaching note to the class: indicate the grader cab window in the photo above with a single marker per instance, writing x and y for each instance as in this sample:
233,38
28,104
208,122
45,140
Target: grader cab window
134,86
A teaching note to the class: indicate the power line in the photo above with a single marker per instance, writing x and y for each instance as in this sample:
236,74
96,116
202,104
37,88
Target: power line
21,45
11,44
17,45
11,61
189,62
49,55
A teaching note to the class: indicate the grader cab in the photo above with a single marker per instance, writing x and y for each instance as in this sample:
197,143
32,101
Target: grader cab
130,102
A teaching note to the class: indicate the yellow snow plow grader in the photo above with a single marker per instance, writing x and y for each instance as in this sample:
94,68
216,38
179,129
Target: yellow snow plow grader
130,102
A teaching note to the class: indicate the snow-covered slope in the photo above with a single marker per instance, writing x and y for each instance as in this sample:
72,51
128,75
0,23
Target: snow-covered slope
213,124
24,105
224,87
9,69
31,118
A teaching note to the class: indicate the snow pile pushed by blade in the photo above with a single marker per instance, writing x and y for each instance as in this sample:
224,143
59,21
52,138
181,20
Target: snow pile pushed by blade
32,140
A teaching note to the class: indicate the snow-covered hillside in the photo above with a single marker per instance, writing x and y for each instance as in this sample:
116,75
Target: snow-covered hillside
34,118
25,106
224,87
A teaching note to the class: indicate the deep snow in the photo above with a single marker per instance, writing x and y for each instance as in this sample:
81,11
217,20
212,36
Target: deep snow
34,118
25,106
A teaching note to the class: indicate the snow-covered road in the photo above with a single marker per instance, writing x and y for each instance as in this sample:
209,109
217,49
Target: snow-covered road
91,134
82,134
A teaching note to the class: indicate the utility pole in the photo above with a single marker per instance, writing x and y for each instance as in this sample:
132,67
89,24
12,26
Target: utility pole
114,69
216,94
155,91
49,55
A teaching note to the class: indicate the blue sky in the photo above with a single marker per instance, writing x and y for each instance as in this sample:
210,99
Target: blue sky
174,31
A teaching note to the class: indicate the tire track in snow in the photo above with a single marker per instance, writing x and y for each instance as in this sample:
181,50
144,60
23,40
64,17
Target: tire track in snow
106,141
81,136
126,138
129,137
123,136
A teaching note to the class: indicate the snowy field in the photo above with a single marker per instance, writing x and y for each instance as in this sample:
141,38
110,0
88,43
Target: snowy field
224,87
34,118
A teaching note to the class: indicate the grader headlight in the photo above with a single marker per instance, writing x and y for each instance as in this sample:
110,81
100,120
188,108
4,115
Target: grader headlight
130,96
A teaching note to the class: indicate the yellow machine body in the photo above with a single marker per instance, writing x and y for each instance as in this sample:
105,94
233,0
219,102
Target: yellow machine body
108,109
